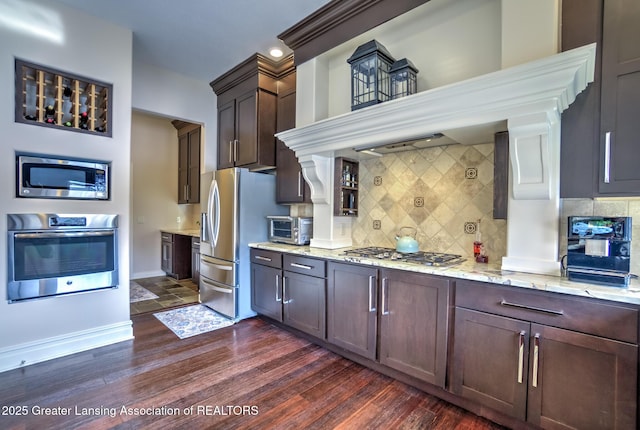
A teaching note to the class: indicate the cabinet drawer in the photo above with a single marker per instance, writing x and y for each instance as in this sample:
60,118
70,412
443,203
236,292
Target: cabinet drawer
553,309
305,266
166,237
266,258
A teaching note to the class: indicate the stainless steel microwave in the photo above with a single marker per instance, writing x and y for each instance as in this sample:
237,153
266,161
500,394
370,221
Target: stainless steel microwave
61,178
290,229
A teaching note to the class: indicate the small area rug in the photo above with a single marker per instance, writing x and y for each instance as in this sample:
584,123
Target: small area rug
138,293
192,320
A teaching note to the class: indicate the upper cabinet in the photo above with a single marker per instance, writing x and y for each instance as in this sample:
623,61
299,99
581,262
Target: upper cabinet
599,131
247,107
290,185
188,162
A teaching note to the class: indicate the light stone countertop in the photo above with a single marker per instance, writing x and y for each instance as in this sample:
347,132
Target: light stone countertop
194,232
476,272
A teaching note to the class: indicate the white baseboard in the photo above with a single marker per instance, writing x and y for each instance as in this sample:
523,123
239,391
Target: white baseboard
28,353
140,275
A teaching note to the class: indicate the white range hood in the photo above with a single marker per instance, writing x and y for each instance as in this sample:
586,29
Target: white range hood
528,97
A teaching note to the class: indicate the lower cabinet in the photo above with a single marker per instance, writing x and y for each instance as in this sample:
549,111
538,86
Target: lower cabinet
402,320
508,356
195,260
295,296
175,255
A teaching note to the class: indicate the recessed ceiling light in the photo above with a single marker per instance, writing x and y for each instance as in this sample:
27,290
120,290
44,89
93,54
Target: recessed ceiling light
276,52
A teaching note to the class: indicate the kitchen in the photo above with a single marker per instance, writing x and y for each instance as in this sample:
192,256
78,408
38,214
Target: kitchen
585,206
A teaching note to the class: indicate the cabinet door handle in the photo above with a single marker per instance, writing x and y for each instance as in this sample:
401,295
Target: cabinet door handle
607,157
260,257
530,308
520,356
372,286
301,266
285,301
536,352
385,298
278,299
299,184
231,151
235,150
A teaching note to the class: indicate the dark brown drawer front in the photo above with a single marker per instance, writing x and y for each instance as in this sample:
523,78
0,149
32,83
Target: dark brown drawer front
553,309
166,237
305,266
266,258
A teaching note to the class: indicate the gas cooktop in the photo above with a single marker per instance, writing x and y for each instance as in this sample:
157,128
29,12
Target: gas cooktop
421,257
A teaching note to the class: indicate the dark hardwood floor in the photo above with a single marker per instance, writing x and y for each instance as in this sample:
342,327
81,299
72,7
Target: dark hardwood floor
248,376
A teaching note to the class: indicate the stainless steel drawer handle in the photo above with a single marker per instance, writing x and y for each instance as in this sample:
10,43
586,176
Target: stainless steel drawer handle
301,266
530,308
385,298
372,292
260,257
607,157
278,299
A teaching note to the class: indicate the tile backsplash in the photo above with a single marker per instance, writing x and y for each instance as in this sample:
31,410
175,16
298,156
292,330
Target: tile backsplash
436,190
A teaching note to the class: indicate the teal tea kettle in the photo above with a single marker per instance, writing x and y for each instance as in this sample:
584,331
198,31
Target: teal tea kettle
406,240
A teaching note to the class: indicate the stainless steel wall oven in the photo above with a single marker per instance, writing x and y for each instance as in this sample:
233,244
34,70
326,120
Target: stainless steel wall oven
55,254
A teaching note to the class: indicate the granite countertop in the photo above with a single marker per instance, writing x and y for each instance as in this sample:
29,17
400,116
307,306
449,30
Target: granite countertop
473,271
194,232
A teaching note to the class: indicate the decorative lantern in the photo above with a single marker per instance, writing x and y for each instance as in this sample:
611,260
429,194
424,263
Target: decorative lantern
403,78
370,64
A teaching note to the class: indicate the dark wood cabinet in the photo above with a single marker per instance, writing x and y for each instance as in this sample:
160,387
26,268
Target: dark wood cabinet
295,296
515,354
414,324
352,302
599,151
290,184
175,255
195,260
247,112
189,163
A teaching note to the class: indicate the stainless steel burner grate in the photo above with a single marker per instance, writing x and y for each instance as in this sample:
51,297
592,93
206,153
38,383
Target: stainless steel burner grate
421,257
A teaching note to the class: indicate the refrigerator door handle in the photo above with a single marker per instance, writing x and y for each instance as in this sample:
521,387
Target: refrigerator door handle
214,210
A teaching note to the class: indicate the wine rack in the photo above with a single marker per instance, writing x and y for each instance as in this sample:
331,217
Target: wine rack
346,187
51,98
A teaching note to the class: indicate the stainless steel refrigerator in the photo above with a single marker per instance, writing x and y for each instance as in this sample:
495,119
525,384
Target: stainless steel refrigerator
235,203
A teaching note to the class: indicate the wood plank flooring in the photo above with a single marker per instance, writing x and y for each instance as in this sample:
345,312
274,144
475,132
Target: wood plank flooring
248,376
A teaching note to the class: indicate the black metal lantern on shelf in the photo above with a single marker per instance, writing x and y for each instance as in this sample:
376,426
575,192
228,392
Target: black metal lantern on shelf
370,65
403,78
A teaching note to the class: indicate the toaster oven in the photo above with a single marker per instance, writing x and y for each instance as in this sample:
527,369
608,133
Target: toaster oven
290,229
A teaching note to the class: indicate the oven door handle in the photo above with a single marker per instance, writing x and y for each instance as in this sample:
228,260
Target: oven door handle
63,234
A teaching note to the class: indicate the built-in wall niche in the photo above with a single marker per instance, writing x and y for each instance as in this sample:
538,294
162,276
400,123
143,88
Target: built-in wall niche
51,98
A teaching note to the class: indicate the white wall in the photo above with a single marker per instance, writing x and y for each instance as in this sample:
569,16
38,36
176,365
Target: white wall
78,44
154,191
164,93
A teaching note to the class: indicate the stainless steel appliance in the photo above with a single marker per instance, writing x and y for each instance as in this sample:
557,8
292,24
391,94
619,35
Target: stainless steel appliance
61,178
424,258
54,254
235,203
293,230
599,250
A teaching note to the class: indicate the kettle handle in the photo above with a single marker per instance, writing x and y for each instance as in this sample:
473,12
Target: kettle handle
415,230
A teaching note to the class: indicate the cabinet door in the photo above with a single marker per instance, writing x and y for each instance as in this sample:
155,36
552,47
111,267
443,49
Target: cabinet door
490,356
195,261
304,299
166,252
226,134
620,99
579,381
352,308
246,131
183,168
193,196
414,324
266,291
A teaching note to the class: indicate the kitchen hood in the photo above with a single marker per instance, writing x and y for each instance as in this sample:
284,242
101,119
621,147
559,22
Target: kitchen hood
526,100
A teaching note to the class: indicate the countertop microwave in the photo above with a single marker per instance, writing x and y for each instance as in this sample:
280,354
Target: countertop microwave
50,177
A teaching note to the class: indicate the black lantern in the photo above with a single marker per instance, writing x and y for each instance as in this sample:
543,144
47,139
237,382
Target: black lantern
403,78
370,65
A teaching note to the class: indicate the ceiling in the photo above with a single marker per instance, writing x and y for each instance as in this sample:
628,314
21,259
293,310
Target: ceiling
201,39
